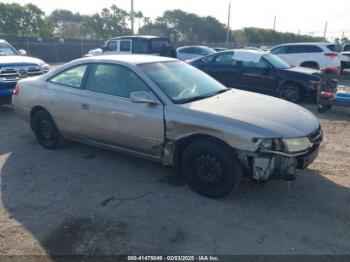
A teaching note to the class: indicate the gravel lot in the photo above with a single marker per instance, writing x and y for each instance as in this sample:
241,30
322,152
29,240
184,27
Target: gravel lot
84,200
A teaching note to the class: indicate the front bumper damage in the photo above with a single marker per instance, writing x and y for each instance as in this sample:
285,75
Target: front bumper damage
267,165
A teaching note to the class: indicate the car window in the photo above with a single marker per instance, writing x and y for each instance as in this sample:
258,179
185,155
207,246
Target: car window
279,50
188,50
297,49
6,49
261,64
72,77
225,59
182,82
346,48
125,46
313,49
112,46
114,80
140,46
334,48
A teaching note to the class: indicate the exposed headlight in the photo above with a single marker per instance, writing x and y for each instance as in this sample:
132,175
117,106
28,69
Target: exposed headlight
268,144
297,144
45,68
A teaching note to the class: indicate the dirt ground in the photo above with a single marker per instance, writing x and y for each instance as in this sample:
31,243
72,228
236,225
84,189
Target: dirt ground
84,200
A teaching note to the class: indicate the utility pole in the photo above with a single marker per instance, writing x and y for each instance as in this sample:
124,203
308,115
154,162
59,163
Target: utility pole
228,24
274,23
325,30
132,17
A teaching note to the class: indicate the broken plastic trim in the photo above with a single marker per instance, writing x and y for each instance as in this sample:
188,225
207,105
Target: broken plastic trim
282,153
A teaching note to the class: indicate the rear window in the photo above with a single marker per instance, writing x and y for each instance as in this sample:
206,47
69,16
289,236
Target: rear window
334,48
346,48
157,45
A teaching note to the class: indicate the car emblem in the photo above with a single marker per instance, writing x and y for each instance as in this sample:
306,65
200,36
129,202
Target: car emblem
22,72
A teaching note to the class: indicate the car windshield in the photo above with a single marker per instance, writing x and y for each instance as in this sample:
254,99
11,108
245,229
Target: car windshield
6,49
276,62
208,50
347,48
181,82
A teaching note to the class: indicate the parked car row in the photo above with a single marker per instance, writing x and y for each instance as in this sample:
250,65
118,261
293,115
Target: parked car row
181,114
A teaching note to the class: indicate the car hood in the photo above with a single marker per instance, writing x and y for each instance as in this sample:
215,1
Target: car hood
303,70
19,60
300,73
261,115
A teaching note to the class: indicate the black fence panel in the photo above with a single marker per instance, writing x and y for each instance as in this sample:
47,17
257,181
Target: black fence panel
53,50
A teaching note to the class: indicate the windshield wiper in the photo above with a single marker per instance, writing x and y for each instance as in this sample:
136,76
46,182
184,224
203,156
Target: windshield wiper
196,98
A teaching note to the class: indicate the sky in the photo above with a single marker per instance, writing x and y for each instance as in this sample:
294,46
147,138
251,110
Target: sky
304,16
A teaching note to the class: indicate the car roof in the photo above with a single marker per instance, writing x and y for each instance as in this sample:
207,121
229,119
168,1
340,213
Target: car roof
307,43
130,59
189,46
250,55
139,37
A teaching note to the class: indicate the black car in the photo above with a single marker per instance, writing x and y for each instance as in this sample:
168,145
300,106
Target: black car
259,71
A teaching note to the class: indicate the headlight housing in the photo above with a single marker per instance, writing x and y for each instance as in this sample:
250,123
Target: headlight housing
269,144
45,68
292,145
297,144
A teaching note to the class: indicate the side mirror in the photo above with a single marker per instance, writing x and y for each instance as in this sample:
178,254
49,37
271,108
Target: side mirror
142,97
22,52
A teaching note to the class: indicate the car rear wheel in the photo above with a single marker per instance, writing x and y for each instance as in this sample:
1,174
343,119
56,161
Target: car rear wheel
311,65
46,131
290,92
210,168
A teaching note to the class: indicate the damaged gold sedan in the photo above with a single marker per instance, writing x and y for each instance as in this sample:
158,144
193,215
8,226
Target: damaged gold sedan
168,111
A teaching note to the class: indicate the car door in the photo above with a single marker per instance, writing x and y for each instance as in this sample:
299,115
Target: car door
64,91
224,69
108,117
111,47
257,76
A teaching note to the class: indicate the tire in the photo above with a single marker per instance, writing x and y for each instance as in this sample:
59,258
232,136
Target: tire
323,108
291,92
311,65
46,131
210,168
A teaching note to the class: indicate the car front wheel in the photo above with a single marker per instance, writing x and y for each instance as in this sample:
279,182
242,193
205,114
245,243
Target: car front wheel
46,131
210,168
290,92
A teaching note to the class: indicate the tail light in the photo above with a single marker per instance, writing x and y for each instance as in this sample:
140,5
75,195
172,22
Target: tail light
327,95
331,69
16,90
331,55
